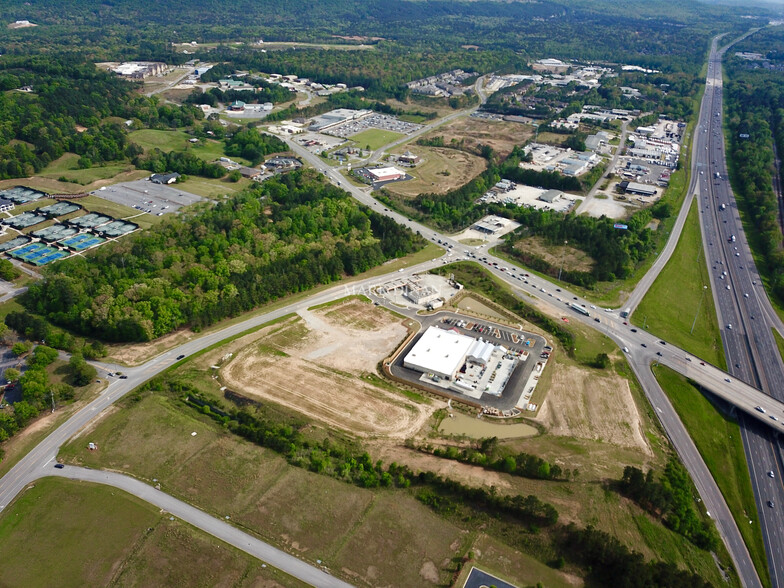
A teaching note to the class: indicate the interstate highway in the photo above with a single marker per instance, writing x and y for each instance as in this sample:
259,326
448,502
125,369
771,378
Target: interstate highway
29,468
741,301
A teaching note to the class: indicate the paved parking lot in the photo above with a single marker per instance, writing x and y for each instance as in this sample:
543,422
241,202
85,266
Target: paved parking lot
148,197
373,121
514,340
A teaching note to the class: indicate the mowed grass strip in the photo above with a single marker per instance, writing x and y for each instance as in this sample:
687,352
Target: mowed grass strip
719,442
779,342
375,138
669,307
66,533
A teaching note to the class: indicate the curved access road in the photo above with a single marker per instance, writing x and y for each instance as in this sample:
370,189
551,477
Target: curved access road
201,520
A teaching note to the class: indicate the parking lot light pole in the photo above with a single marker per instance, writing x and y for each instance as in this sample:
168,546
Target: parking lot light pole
563,255
704,289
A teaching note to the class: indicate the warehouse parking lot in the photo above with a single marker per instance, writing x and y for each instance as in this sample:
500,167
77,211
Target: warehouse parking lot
148,197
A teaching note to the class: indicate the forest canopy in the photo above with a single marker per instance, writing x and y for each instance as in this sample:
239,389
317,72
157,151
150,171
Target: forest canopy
286,235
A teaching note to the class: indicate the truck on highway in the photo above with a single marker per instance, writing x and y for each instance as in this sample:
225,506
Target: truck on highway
625,312
722,207
731,239
580,309
717,175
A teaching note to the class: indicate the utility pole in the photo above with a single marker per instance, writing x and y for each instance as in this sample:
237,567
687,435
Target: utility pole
704,289
563,255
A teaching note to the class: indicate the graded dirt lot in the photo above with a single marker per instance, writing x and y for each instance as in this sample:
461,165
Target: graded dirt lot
572,258
440,171
598,406
314,363
502,136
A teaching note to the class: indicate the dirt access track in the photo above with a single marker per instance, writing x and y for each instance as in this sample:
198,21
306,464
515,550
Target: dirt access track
321,363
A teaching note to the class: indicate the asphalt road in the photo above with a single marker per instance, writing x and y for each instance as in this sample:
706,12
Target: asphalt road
610,168
201,520
537,291
746,315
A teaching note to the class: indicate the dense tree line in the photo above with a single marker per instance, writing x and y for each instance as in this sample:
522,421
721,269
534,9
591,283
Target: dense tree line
285,235
616,253
35,328
158,162
38,392
671,499
443,495
590,28
755,116
604,558
486,453
67,92
252,145
611,563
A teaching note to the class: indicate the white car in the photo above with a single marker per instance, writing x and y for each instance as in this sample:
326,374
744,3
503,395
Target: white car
771,474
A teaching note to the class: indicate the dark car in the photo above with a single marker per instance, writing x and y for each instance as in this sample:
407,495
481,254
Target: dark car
634,330
59,466
123,377
643,344
180,356
662,342
659,353
597,320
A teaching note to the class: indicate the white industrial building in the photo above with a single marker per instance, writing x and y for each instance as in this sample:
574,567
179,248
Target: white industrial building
439,352
386,174
480,352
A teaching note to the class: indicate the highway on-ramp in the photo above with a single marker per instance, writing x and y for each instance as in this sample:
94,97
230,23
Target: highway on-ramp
535,290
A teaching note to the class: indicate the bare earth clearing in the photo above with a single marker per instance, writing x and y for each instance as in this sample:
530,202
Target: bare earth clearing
573,259
500,135
599,407
429,177
315,365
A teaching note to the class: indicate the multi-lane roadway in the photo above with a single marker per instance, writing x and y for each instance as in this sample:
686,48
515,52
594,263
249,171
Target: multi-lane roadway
641,348
745,315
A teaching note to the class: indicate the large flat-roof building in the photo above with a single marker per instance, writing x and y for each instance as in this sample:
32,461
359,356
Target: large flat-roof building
637,188
386,174
439,352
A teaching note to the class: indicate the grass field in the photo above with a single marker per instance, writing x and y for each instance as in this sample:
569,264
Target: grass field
779,342
673,300
381,537
440,171
213,188
149,139
551,138
91,535
719,442
66,166
375,138
206,149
